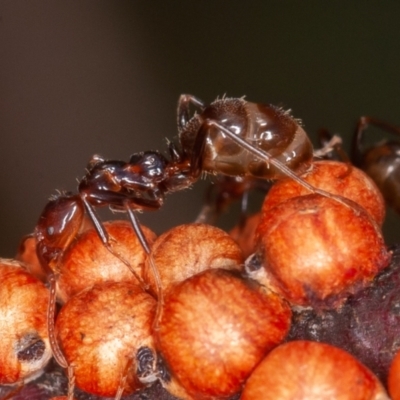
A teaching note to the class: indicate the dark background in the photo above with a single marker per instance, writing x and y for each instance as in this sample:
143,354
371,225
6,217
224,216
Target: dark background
95,76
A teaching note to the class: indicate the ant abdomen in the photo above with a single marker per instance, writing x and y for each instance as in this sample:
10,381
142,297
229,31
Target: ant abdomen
266,127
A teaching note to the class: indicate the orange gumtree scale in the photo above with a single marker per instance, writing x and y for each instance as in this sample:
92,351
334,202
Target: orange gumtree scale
316,251
179,311
24,346
305,370
189,249
334,177
87,261
104,333
215,328
367,324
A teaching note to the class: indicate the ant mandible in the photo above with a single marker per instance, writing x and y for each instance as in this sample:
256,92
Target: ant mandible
380,161
231,136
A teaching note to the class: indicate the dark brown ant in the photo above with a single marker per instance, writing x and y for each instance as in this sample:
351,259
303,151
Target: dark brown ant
230,136
380,161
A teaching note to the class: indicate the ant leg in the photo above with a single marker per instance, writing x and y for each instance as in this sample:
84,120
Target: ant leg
51,312
124,378
51,308
199,148
227,190
137,228
332,149
330,143
146,369
120,390
71,382
173,152
208,212
105,239
363,123
156,274
183,108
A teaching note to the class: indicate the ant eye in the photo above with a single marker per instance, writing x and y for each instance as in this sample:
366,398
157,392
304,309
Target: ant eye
153,164
50,230
150,161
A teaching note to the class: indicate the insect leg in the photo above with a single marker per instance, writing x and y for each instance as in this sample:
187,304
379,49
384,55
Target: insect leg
363,123
184,102
156,274
105,239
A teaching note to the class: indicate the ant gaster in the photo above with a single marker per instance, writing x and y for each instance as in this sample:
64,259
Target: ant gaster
380,161
230,136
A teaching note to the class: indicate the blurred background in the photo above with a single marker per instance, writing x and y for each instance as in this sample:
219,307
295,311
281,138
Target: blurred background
103,77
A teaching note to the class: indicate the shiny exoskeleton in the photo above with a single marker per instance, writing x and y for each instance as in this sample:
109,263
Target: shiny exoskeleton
231,136
265,127
209,139
380,161
331,146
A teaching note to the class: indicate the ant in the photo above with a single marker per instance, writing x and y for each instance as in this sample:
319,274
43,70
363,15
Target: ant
231,136
381,161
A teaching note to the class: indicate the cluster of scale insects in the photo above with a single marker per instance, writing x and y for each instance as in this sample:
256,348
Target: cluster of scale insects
245,144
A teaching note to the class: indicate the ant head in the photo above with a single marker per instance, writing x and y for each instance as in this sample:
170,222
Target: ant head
151,164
